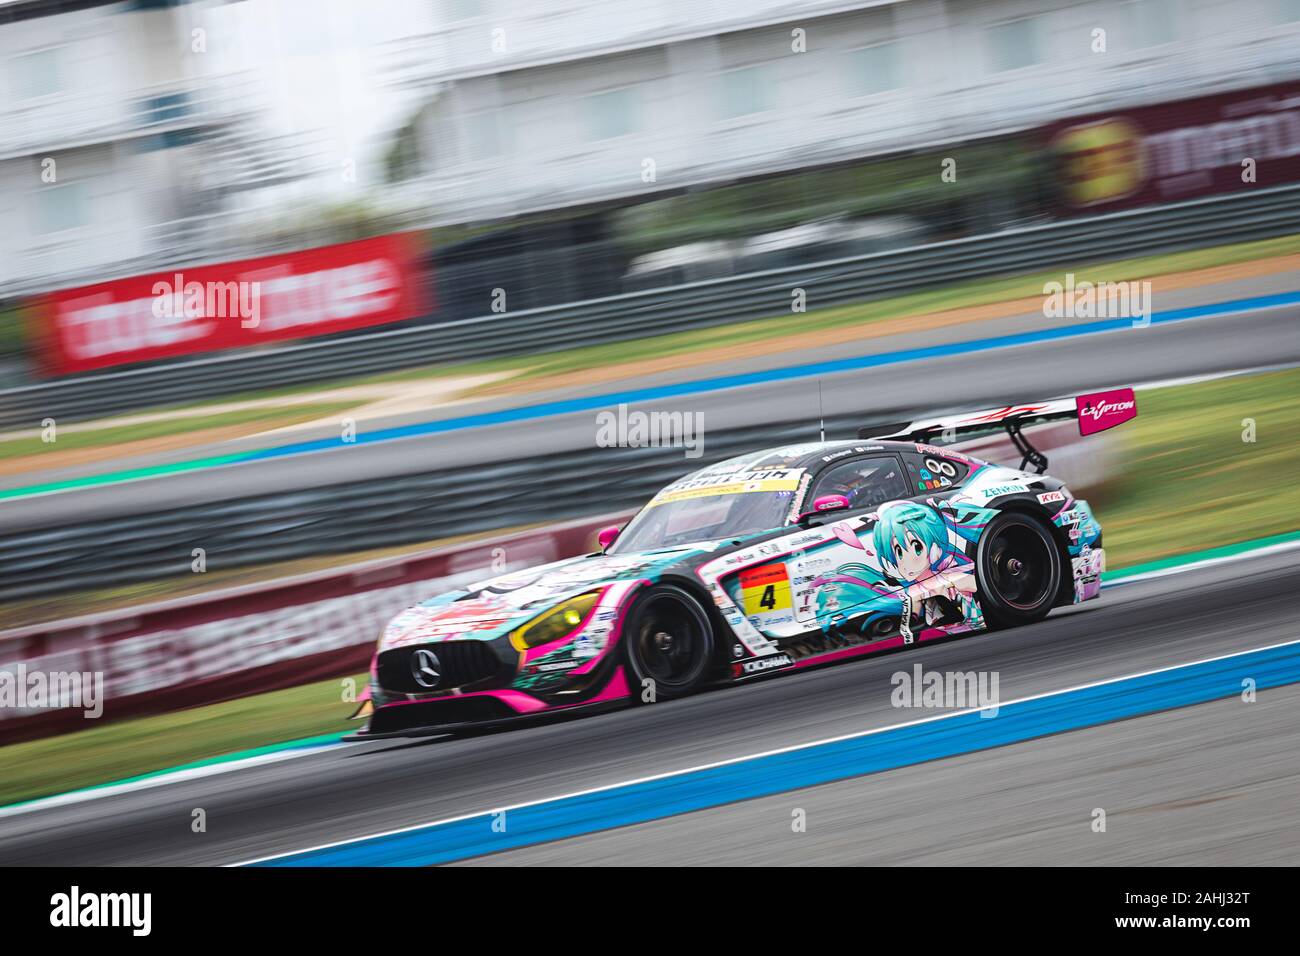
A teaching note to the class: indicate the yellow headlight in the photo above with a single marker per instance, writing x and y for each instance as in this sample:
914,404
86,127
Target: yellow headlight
554,624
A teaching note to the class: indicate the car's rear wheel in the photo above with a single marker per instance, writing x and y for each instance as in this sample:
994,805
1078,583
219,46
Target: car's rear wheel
668,645
1018,567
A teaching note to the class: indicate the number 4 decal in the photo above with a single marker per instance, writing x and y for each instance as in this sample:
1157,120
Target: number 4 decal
765,593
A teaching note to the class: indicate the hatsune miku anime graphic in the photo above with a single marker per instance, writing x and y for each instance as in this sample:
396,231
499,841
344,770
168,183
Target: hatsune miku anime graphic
920,573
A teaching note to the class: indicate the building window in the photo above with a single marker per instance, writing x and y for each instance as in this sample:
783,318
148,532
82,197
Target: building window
36,74
1151,23
612,113
1014,45
874,69
745,91
60,207
464,9
484,136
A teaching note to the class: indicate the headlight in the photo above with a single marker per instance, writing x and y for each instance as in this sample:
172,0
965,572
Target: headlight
554,624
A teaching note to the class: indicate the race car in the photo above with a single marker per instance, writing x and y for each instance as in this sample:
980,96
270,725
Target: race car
773,561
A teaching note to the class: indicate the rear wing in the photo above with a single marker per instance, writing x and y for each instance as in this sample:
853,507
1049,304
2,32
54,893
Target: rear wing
1094,412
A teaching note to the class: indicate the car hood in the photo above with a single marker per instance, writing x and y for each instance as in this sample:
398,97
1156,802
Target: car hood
492,608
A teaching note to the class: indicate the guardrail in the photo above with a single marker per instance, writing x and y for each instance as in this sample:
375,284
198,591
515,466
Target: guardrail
1237,217
378,512
252,639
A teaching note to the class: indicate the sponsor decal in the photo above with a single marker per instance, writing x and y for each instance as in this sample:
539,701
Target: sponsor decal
1048,497
762,664
589,643
1167,151
998,490
735,483
944,453
554,666
1102,410
838,454
765,594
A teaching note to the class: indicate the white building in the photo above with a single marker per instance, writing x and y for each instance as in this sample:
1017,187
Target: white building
118,139
125,148
537,105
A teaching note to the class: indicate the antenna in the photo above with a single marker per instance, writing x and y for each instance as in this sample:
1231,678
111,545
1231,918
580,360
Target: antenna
821,415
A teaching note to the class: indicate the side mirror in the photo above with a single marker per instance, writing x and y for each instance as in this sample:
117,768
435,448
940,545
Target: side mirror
825,503
607,536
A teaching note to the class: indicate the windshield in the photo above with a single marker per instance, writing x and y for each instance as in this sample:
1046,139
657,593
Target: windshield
706,507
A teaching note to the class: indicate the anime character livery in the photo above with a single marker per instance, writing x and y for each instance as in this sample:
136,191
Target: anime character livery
914,565
772,561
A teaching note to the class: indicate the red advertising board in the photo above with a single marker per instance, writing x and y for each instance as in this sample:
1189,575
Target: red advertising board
1181,150
228,305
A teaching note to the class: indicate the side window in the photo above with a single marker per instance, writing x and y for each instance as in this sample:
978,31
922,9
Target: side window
866,482
933,473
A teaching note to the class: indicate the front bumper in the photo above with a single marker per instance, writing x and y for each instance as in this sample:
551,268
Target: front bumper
483,710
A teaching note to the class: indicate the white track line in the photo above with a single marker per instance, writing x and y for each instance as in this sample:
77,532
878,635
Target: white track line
181,776
1201,564
760,755
165,777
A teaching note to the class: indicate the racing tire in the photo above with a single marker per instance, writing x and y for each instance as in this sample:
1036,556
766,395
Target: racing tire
1018,570
668,640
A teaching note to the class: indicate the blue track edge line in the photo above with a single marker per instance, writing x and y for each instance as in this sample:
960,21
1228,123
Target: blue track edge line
786,373
816,764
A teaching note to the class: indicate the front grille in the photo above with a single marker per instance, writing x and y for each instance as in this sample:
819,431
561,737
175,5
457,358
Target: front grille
460,663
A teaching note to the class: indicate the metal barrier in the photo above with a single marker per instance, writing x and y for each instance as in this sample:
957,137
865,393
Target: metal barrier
1237,217
199,649
383,512
356,516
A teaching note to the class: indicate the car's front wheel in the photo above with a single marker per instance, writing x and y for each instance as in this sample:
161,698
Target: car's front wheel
1018,567
668,644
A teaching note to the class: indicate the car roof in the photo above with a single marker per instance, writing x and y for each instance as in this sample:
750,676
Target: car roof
808,455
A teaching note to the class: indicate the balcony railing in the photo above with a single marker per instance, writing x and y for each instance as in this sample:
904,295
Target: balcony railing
545,33
86,117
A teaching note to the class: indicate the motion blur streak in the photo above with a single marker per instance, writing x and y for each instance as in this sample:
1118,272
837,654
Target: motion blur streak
790,373
422,243
765,774
350,793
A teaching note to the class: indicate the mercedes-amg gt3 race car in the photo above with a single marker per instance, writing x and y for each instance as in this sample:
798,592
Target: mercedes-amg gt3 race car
772,561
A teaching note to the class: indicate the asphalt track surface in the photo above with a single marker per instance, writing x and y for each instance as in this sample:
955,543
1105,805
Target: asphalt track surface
1211,783
1203,345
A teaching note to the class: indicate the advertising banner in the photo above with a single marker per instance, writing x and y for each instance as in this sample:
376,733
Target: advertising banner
228,305
1181,150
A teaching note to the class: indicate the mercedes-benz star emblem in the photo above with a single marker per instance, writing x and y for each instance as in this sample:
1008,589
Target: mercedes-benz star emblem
425,668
